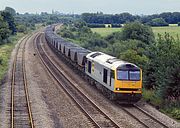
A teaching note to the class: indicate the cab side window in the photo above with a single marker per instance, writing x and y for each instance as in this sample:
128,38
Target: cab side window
105,72
89,66
112,76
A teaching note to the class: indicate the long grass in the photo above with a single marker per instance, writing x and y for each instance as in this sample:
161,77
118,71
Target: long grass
105,31
5,53
170,108
174,31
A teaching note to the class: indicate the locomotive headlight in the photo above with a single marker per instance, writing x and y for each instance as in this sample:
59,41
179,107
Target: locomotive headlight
117,89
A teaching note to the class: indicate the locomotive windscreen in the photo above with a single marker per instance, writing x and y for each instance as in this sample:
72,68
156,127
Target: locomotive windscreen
128,72
133,75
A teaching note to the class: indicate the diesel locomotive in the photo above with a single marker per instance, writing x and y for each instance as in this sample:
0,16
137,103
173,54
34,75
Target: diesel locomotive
117,79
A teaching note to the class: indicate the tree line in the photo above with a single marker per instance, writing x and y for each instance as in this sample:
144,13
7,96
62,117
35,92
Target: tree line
12,22
162,19
7,24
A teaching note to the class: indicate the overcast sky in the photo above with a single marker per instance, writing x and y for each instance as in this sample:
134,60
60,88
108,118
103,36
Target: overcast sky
106,6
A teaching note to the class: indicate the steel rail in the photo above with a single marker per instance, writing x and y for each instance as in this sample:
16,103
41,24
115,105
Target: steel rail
24,81
144,112
26,88
152,117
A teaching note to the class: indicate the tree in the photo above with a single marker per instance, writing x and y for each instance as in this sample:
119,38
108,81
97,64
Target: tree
79,24
157,22
10,20
96,25
138,31
115,36
100,18
10,10
133,56
4,31
129,50
163,69
123,18
93,43
66,33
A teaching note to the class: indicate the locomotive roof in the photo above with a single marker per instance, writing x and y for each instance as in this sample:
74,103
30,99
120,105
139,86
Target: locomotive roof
107,60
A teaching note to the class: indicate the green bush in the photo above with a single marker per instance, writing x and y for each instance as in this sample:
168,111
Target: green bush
67,34
151,97
176,113
21,28
163,67
79,24
138,31
173,111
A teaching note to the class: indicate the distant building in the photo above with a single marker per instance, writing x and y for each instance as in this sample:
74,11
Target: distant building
108,26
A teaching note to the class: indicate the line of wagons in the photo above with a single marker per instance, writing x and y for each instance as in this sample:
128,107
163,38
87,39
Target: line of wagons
117,79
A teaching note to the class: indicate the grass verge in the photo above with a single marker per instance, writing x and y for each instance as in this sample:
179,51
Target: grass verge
5,53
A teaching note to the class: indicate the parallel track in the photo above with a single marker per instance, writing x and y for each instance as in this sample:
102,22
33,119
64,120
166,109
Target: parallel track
97,117
21,115
143,117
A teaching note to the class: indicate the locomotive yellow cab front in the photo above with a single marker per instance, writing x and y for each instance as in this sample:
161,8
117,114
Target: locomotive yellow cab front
128,82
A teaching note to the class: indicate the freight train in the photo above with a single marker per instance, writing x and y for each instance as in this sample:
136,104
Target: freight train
117,79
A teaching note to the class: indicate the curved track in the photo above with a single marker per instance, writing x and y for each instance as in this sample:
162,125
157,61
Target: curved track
97,117
143,117
21,115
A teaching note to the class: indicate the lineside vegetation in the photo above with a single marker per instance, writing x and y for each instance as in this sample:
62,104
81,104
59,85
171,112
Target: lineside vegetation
5,53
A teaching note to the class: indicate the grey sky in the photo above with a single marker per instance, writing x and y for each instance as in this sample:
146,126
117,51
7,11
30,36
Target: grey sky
106,6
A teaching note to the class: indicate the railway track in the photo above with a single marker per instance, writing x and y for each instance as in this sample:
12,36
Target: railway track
143,117
21,115
95,115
